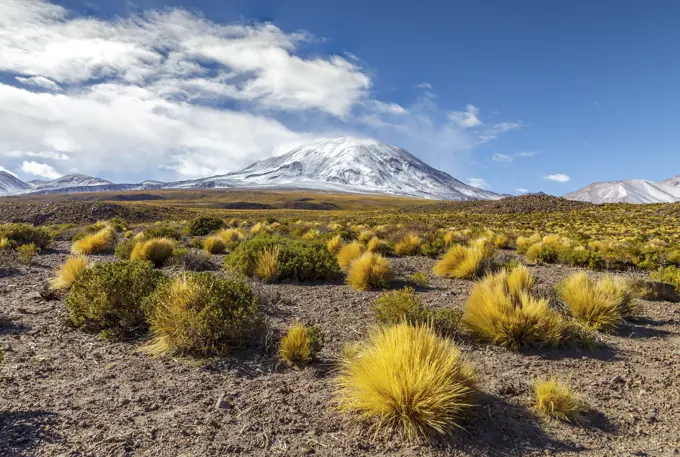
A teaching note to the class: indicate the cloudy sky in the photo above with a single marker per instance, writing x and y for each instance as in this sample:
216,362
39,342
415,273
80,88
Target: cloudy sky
510,96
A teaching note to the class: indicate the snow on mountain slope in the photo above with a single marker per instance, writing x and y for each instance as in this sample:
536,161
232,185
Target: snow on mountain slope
631,191
68,181
349,165
11,185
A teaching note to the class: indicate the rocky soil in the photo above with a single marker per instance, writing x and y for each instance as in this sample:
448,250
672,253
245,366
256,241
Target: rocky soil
69,393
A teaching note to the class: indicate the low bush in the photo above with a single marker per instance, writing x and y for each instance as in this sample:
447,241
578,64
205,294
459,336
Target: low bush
669,275
267,264
447,321
100,242
419,279
400,306
124,249
156,250
298,259
369,271
69,272
161,231
109,296
558,401
191,259
348,254
203,225
202,314
300,344
407,378
408,245
214,245
26,252
20,234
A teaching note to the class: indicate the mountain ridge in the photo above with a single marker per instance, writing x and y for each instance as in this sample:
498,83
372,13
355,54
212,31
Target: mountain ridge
629,191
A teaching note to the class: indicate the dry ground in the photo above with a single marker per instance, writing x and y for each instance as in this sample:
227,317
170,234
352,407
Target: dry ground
65,392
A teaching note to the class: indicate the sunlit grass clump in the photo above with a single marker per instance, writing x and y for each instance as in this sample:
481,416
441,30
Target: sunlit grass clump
335,244
267,264
408,245
214,245
70,271
407,378
369,271
300,344
558,401
97,243
463,262
155,250
201,313
599,304
348,254
501,310
377,245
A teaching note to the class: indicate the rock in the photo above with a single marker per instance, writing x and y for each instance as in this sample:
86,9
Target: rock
221,402
616,380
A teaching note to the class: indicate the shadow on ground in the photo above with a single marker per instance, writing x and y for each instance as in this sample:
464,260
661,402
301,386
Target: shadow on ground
21,432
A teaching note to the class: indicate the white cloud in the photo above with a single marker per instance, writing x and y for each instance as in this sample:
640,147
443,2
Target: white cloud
526,154
521,190
39,169
41,155
478,182
424,86
557,177
466,119
502,158
39,81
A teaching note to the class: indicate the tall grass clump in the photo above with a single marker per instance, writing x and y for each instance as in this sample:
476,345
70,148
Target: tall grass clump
377,245
348,254
501,310
369,271
335,244
200,313
267,265
300,344
556,400
600,305
156,250
230,236
463,262
100,242
408,245
214,245
69,272
407,378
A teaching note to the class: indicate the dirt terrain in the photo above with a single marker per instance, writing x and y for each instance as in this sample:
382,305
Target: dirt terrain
66,392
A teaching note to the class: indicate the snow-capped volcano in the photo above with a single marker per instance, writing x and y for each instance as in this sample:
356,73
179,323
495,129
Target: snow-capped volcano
68,181
631,191
350,165
11,185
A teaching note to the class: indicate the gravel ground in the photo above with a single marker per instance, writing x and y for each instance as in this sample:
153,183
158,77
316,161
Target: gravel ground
66,392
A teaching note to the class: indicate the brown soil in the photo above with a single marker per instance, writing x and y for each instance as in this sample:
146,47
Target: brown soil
534,203
67,392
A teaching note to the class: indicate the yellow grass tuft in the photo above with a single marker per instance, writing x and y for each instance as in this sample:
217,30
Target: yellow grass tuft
99,242
267,265
369,271
501,310
4,243
312,234
300,344
214,245
229,235
365,236
463,262
348,254
155,250
258,228
377,245
600,305
558,401
408,245
71,270
408,378
334,244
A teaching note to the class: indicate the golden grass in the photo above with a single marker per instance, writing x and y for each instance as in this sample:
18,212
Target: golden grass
296,347
600,305
70,271
369,271
258,228
377,245
155,250
365,236
463,262
408,245
558,401
348,254
334,244
408,378
102,241
502,311
312,234
267,264
229,235
4,243
214,245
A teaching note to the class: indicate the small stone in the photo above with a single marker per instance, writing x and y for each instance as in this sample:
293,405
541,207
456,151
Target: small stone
221,402
617,380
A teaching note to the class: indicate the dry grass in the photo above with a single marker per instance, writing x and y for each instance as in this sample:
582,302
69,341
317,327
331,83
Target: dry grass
300,344
558,401
408,245
100,242
4,243
601,305
267,265
348,254
365,236
229,236
155,250
335,244
70,271
377,245
369,271
406,377
463,262
502,311
214,245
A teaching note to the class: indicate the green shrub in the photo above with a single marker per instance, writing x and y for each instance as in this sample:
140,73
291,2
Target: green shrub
302,260
124,249
109,296
447,321
400,305
203,225
161,231
583,258
419,279
433,245
203,314
669,275
26,234
191,259
26,252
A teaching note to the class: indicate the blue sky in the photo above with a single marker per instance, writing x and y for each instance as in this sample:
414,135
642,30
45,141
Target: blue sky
508,93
